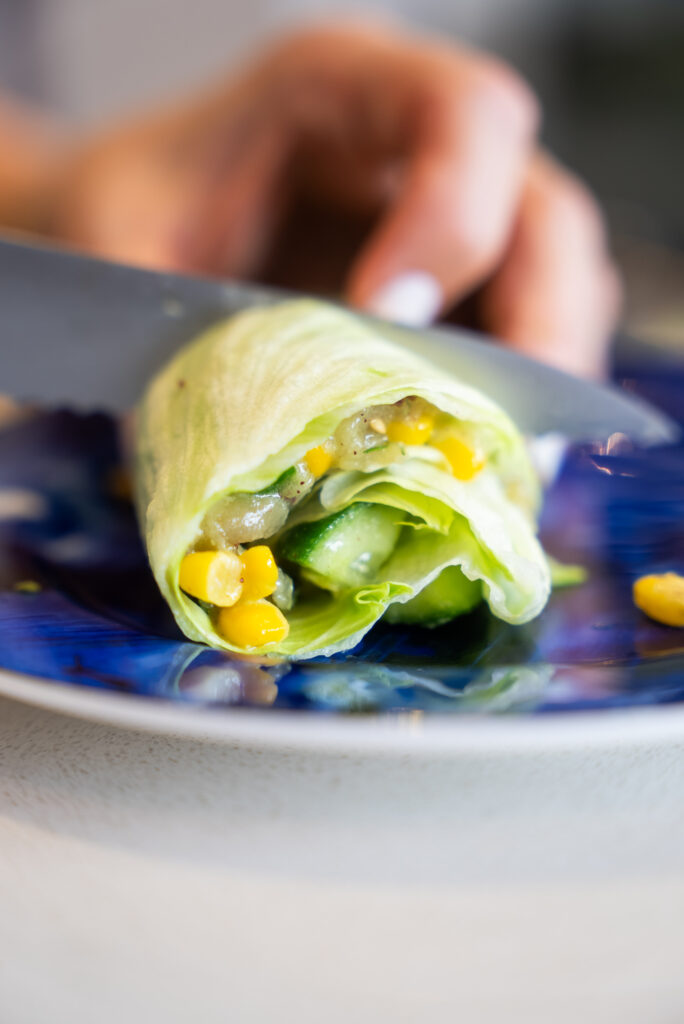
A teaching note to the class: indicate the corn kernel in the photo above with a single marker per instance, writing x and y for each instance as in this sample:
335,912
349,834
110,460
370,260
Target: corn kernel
661,597
213,576
252,624
259,572
462,459
28,586
318,460
411,431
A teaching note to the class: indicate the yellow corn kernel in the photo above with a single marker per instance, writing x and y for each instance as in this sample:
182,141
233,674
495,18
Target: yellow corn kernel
661,597
28,586
318,460
213,576
410,431
462,459
259,572
252,624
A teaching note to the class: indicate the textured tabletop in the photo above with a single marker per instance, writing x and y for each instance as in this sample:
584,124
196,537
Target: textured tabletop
163,879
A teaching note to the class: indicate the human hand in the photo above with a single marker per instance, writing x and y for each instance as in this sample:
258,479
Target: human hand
435,142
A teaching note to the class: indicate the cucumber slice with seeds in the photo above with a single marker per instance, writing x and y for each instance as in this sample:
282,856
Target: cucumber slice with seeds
347,547
449,595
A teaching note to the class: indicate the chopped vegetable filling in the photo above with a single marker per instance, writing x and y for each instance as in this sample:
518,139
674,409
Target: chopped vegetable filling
260,573
319,460
462,459
415,431
252,624
245,589
212,576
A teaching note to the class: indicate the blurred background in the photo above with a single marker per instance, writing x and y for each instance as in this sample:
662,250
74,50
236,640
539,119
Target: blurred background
610,74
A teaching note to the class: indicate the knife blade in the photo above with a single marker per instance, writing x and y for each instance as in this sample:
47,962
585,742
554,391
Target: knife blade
89,334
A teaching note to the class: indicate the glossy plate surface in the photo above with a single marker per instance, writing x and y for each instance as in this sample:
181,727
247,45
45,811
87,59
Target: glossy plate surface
82,627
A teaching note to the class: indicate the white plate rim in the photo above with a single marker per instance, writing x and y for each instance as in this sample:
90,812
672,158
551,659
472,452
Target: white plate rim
406,733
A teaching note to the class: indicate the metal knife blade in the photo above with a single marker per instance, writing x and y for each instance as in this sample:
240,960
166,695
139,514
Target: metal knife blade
89,334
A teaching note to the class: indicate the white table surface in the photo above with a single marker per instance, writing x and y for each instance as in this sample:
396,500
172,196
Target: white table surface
164,879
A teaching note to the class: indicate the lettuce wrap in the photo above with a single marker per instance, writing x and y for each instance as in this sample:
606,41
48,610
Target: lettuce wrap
299,476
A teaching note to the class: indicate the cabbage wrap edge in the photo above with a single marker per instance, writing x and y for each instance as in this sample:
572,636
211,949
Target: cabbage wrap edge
243,402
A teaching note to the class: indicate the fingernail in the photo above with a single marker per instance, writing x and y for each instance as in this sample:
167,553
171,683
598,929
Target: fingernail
414,298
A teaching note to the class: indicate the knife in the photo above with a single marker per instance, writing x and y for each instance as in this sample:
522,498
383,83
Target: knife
89,334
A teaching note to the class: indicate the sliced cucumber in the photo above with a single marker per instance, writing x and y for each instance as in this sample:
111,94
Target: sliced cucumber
348,547
282,481
449,595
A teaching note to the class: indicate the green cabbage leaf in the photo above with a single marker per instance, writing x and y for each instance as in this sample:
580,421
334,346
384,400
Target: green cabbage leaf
242,403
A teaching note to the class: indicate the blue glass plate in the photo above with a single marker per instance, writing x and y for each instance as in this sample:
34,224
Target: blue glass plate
78,604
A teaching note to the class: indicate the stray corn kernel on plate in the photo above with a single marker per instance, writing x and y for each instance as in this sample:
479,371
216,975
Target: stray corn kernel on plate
84,628
661,597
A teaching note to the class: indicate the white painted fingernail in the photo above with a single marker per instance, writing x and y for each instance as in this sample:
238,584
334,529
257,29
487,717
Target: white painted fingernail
414,298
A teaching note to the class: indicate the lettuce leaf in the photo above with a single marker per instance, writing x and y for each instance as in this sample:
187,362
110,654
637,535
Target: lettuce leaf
490,537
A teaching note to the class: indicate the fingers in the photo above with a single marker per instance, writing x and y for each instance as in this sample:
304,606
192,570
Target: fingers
116,202
229,229
176,199
556,295
472,126
440,139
